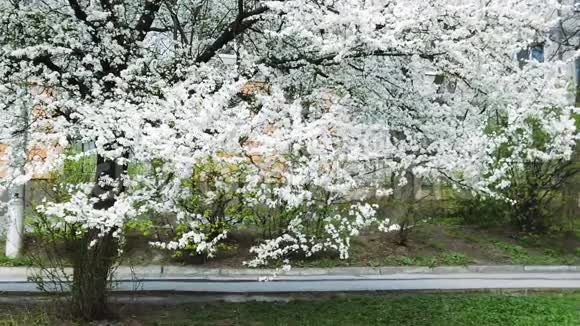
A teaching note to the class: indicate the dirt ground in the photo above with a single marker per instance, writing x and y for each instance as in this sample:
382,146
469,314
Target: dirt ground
432,243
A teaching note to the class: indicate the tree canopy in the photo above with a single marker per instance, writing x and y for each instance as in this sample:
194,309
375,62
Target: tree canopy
322,97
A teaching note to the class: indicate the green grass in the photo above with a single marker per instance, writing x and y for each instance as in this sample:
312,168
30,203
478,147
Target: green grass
410,261
446,221
14,262
444,259
406,309
519,255
30,317
454,259
398,310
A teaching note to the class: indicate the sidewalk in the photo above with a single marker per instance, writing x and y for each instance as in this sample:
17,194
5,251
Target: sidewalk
194,272
316,280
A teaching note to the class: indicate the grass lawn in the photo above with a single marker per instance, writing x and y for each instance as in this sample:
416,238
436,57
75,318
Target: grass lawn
399,310
408,309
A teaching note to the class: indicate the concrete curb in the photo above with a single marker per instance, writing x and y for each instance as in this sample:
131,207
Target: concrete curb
355,271
187,272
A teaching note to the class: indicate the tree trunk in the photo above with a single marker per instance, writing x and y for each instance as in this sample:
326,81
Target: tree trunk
95,254
405,200
93,264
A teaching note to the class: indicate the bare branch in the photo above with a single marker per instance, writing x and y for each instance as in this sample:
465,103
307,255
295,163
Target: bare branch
237,27
76,7
329,59
147,17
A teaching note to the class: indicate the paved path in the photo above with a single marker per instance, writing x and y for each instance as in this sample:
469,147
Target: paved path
196,280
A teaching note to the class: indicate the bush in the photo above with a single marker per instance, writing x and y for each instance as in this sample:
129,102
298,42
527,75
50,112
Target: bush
482,211
211,197
528,203
528,171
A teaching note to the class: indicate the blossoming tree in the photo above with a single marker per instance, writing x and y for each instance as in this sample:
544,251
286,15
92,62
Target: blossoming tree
322,95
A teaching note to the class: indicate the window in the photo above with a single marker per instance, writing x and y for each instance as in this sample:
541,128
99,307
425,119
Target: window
533,53
537,54
446,84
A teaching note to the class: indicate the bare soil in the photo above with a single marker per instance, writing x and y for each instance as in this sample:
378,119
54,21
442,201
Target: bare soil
432,243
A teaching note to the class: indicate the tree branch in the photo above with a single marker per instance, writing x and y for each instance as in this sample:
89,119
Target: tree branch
76,7
237,27
177,27
46,60
329,59
255,12
147,17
